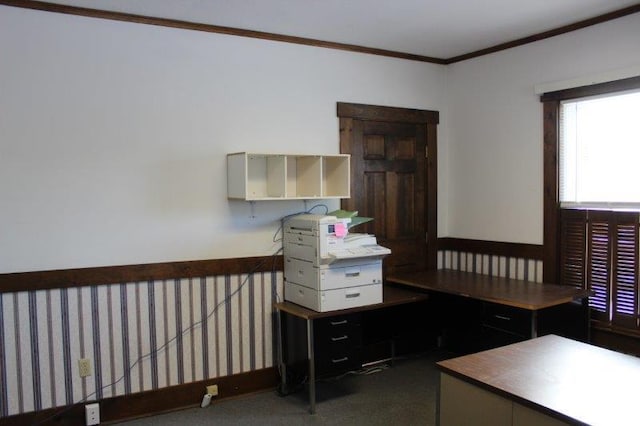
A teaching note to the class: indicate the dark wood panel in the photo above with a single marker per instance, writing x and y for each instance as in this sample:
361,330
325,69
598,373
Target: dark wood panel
496,248
573,243
551,225
405,149
551,112
151,402
405,256
64,278
174,23
385,113
399,129
404,190
617,340
395,166
410,138
374,147
375,189
593,89
504,291
431,196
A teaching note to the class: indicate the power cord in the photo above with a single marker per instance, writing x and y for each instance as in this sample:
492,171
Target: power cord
200,322
163,346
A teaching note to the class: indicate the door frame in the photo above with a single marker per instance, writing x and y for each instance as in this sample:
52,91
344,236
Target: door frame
412,116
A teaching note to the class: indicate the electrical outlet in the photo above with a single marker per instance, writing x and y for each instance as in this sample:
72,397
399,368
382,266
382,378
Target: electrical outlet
92,414
84,367
212,390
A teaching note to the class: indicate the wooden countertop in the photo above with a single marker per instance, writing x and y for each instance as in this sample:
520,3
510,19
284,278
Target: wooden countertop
506,291
566,379
391,296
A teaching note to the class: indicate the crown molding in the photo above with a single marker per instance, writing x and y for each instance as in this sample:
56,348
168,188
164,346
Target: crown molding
217,29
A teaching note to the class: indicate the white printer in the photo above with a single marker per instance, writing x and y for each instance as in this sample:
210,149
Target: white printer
326,268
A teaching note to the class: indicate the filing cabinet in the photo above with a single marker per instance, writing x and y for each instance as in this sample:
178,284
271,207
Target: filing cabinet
341,340
347,342
337,342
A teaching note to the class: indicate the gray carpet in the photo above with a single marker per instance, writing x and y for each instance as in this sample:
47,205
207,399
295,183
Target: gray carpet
404,394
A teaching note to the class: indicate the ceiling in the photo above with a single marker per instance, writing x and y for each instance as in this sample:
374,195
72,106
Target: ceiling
431,28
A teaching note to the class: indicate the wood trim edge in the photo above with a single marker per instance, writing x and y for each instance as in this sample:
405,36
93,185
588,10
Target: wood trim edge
617,340
152,402
386,113
548,34
209,28
432,196
65,278
496,248
551,217
607,87
173,23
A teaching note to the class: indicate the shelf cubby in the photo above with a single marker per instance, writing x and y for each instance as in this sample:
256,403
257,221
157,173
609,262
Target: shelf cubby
255,176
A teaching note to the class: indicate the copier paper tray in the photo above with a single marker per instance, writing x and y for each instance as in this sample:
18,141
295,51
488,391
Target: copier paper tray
372,251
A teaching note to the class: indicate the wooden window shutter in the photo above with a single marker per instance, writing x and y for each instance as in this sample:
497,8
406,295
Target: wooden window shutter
612,267
599,264
625,270
573,246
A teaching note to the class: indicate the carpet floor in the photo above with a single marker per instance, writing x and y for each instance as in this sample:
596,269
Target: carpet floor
404,394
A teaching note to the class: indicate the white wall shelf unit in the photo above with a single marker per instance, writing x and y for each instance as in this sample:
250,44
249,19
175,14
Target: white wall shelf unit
254,176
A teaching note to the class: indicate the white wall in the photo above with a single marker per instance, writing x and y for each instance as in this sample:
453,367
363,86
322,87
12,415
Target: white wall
113,136
495,169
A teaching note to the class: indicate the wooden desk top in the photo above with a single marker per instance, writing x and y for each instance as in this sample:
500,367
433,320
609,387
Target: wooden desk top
566,379
505,291
392,296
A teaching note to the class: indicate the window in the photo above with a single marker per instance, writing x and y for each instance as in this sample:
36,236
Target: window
592,197
600,151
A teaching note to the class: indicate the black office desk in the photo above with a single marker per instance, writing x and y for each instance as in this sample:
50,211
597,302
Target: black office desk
509,304
392,296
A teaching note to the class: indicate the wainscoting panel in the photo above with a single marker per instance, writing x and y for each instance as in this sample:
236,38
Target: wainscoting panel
491,264
139,336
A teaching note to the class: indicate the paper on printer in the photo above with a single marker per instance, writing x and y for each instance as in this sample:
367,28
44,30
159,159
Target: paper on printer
325,239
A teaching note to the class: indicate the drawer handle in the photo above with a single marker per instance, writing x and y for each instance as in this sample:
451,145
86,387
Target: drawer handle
502,317
352,295
337,339
336,361
339,322
352,274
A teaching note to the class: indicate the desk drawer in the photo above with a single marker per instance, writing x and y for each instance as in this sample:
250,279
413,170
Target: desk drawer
339,361
337,333
307,274
337,324
508,319
338,343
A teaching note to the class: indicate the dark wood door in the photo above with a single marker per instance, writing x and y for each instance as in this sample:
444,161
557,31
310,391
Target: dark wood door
393,180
